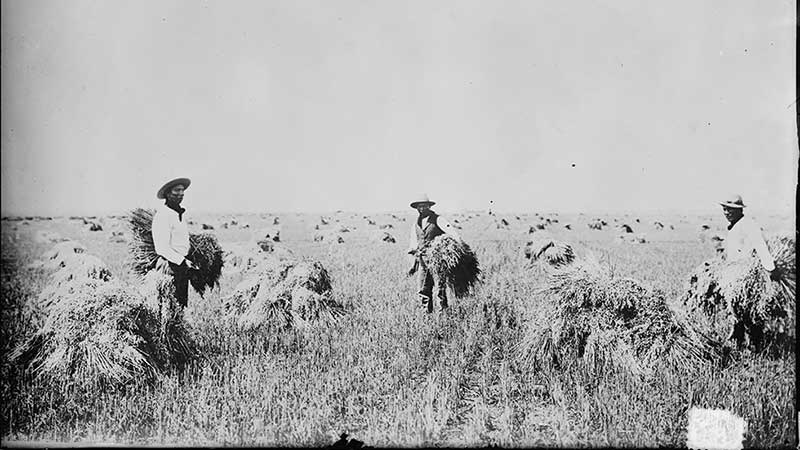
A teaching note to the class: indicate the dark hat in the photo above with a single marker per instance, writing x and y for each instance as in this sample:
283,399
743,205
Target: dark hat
185,182
422,199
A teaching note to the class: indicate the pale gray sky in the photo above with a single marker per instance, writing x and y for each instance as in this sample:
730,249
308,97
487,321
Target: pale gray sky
326,105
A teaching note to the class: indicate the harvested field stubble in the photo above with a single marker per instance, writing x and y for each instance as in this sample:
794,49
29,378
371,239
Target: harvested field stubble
389,373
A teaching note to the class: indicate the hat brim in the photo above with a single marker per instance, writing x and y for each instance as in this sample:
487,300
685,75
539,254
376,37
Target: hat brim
732,205
415,204
185,182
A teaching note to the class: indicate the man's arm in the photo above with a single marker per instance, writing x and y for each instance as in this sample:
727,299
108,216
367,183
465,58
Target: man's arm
161,240
447,227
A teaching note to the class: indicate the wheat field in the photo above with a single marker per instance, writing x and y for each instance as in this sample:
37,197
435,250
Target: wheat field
387,373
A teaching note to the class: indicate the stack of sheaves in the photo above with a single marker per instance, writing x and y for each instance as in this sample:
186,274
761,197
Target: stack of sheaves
97,331
724,295
553,252
602,323
282,293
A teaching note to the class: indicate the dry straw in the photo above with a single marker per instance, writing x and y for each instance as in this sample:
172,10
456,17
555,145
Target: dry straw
143,251
103,335
283,293
453,262
602,323
204,251
97,331
723,294
551,251
94,333
158,290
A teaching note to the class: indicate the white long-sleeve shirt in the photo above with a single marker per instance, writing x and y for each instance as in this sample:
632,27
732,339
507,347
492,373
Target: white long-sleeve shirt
744,238
441,222
170,235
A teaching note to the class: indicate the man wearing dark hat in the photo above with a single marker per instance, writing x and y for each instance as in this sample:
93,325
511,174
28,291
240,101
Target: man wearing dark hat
171,236
426,228
744,239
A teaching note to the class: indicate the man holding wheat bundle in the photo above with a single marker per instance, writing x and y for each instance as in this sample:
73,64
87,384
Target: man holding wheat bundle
426,228
171,236
744,239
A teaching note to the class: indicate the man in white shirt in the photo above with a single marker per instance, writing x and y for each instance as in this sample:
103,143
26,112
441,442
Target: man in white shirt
744,239
426,228
171,236
744,236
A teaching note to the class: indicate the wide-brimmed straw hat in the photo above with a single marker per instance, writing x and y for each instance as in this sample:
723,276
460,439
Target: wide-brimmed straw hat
422,199
733,201
185,182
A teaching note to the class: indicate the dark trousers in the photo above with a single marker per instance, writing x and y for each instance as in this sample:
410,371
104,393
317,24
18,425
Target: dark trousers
425,278
180,279
745,330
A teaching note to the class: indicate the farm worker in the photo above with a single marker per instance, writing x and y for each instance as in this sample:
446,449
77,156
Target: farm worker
744,236
428,226
171,236
744,239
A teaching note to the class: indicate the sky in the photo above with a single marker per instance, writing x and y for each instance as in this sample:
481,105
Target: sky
300,106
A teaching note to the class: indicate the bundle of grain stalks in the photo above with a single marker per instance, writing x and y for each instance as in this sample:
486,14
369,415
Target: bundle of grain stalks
601,323
552,251
158,290
204,251
102,335
283,293
725,295
454,263
382,236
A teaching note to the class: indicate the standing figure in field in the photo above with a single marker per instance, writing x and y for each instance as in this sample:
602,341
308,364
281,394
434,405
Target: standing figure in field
744,239
171,236
426,228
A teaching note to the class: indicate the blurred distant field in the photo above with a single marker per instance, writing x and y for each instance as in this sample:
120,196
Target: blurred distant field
388,373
